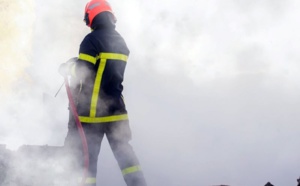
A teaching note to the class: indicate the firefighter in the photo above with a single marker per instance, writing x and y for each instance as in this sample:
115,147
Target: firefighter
96,82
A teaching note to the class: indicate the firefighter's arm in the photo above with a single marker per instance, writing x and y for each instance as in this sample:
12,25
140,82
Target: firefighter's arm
76,68
68,68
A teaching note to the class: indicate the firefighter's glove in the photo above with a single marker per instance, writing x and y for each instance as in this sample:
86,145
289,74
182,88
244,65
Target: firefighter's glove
65,68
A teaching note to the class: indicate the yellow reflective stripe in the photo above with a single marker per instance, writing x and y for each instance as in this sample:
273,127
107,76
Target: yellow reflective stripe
131,170
114,56
98,79
88,58
104,119
88,180
97,85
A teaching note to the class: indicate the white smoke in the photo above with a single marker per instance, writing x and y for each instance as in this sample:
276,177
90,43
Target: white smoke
211,87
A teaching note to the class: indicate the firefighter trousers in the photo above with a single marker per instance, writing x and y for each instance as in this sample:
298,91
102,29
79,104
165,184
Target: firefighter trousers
118,135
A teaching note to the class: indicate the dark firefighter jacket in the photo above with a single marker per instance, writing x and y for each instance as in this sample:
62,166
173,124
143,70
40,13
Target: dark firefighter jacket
99,73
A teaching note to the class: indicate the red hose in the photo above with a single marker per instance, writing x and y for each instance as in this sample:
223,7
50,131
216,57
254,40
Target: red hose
81,132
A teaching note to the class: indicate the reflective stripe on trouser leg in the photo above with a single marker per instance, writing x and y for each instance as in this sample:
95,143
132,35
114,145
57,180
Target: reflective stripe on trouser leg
89,181
133,176
131,170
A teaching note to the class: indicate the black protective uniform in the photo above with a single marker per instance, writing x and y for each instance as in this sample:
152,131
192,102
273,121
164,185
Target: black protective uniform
97,88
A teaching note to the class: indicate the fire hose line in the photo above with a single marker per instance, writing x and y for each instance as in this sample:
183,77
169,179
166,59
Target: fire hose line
80,130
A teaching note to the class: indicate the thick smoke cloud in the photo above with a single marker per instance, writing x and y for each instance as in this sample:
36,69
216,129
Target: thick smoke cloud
211,88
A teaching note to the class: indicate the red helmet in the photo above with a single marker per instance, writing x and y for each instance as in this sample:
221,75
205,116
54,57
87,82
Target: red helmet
95,7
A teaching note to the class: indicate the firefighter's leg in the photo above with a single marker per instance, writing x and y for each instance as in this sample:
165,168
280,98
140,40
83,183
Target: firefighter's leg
119,135
94,135
74,149
73,152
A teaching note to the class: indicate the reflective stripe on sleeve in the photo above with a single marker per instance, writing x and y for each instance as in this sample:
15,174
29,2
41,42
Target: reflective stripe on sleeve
114,56
103,119
88,58
130,170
